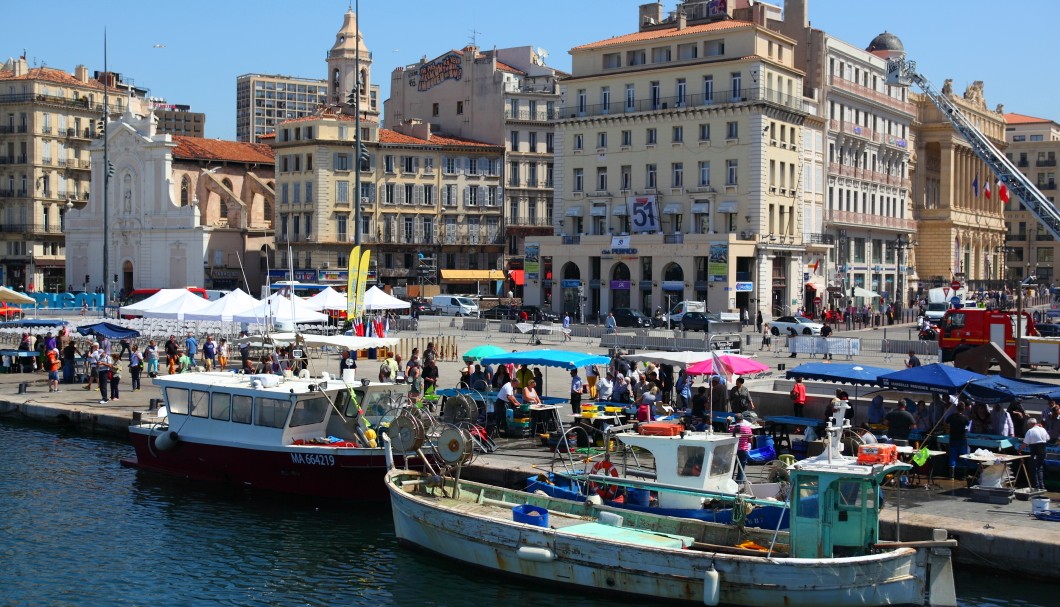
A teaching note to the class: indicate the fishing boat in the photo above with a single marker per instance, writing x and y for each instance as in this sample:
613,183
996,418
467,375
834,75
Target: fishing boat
311,436
832,554
702,461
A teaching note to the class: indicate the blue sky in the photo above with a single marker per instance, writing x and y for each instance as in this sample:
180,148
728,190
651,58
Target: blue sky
208,44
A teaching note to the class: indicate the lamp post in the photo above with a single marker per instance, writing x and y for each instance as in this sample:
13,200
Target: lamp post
901,245
107,171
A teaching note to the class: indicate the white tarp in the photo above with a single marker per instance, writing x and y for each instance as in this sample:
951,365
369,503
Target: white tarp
349,342
280,309
378,299
682,359
14,297
328,299
163,296
225,308
867,294
178,307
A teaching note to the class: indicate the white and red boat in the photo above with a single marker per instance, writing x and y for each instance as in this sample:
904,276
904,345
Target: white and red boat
300,435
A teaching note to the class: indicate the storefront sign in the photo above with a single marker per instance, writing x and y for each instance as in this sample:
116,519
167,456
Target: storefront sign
718,263
334,276
569,283
622,285
618,252
532,261
620,242
673,285
745,287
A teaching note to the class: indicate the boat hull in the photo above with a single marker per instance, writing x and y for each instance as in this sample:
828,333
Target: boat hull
555,555
339,473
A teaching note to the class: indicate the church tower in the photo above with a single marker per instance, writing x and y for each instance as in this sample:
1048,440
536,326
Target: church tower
350,67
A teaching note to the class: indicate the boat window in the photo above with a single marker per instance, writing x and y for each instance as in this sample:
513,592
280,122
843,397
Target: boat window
808,497
690,460
376,403
177,400
309,411
271,412
200,403
242,406
850,493
221,406
722,462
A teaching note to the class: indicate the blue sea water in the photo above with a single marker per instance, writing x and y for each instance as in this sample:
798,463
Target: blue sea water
79,530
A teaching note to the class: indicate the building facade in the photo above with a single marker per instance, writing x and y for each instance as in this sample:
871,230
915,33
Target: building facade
181,211
506,97
678,172
178,119
265,100
1033,146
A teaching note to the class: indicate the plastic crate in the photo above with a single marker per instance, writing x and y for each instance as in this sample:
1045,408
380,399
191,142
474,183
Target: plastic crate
992,495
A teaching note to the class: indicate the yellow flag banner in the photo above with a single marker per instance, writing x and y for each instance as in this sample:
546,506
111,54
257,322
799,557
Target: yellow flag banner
362,280
351,282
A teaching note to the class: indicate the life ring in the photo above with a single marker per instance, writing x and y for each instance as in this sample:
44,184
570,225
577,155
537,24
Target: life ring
604,468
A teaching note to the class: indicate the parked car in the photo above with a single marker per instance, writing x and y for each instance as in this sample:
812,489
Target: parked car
543,315
801,324
698,321
1048,329
454,305
501,312
9,312
628,317
421,307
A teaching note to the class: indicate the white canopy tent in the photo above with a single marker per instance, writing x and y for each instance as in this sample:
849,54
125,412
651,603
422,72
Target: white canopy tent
225,308
176,308
867,294
328,299
378,299
348,342
278,308
681,359
14,297
162,297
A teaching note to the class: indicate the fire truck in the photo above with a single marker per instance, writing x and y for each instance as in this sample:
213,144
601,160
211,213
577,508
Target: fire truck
967,328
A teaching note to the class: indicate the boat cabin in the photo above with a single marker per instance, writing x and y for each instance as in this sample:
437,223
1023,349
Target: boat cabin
697,460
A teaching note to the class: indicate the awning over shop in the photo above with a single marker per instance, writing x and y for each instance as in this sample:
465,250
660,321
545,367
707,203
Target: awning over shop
620,210
700,207
471,275
816,283
518,277
598,210
575,212
672,209
729,206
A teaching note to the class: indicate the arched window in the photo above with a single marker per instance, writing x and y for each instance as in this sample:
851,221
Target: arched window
185,191
224,203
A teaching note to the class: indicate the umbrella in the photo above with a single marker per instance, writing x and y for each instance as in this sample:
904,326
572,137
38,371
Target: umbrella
741,365
108,330
480,352
565,359
933,378
845,373
682,359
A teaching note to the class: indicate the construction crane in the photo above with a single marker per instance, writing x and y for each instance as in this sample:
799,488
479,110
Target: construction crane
901,72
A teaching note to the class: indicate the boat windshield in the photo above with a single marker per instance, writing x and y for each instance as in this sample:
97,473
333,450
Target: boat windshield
309,411
722,462
690,460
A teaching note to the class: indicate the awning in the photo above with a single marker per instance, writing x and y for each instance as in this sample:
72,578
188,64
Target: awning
620,210
598,210
472,275
575,212
674,208
729,206
700,207
518,277
817,283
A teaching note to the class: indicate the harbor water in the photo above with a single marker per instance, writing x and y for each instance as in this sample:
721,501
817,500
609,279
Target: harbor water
78,529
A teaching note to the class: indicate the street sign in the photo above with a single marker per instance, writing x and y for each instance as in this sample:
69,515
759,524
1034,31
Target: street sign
945,291
956,301
955,285
816,301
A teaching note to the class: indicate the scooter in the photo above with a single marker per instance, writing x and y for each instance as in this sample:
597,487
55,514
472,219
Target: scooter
929,334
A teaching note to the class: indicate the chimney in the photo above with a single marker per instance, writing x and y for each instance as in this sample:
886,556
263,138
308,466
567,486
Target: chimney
795,13
81,73
682,20
650,14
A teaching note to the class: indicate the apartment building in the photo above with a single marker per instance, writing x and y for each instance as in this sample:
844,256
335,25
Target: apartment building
265,100
1033,146
177,119
506,97
678,172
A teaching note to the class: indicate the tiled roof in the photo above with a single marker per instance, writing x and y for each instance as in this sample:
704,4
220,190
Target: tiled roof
50,74
199,148
1023,119
672,32
389,136
507,68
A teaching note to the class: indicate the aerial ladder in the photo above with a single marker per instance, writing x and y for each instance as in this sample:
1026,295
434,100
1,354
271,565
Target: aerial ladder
901,72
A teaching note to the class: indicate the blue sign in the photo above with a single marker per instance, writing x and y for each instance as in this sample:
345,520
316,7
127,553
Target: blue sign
568,283
745,287
956,301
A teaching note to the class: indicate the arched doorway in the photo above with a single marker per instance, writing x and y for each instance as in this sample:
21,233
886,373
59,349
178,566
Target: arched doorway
126,277
673,285
620,286
571,288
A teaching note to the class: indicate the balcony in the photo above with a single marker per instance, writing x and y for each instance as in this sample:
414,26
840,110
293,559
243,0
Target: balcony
1015,237
677,238
866,93
1023,163
828,239
576,239
527,116
866,133
1051,185
529,222
30,228
9,129
697,100
865,219
1045,162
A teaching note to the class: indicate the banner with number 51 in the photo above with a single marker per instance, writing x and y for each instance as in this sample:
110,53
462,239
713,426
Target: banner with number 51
643,214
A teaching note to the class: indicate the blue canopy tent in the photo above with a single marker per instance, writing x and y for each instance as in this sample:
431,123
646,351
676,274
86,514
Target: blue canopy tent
935,378
565,359
845,373
998,389
106,329
33,322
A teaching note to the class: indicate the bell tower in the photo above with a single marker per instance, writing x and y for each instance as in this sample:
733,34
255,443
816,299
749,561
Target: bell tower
350,68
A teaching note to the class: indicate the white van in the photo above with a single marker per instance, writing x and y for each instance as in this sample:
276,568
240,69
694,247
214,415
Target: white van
215,294
678,311
454,305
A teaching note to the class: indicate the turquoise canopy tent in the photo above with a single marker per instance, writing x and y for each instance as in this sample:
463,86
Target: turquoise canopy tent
565,359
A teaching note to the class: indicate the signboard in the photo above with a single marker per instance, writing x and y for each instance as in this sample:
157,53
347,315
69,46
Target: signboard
955,285
643,214
532,261
570,283
673,285
945,291
717,9
816,301
718,263
621,285
620,242
956,301
745,287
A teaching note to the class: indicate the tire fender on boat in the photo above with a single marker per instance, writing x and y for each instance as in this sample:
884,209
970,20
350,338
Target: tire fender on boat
167,440
711,586
604,468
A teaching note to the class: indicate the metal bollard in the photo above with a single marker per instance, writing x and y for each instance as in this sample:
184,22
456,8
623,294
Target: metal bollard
782,366
23,387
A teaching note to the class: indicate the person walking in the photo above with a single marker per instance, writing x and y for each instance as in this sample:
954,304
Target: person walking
103,368
70,354
151,358
791,341
209,353
758,322
767,337
610,324
222,354
912,361
191,346
798,397
742,429
115,375
92,365
826,332
566,327
136,366
1035,441
172,353
745,318
52,363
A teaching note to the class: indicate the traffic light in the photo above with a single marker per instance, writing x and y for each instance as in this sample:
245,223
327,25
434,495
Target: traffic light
851,291
362,156
110,169
88,278
351,99
101,127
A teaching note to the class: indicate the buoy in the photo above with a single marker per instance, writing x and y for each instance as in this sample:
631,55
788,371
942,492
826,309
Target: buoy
167,440
711,586
537,555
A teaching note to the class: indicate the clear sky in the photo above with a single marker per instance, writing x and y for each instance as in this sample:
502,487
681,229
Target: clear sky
208,44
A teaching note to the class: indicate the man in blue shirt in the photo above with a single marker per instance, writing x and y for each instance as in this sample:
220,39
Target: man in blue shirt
191,346
566,327
575,391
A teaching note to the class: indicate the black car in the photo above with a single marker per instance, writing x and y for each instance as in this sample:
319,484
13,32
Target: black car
534,312
420,307
501,312
698,321
1048,330
628,317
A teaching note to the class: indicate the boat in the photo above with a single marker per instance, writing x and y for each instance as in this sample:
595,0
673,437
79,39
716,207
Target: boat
702,461
832,554
304,435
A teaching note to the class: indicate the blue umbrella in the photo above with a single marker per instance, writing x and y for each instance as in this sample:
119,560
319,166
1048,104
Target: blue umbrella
935,378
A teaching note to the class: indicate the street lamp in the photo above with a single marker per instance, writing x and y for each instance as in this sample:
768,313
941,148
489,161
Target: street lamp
901,245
